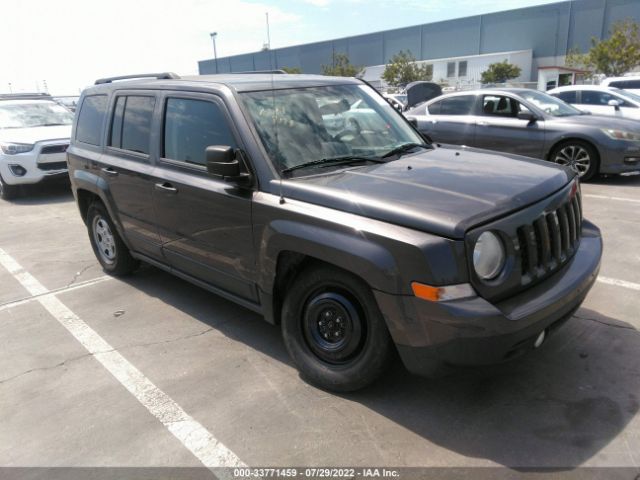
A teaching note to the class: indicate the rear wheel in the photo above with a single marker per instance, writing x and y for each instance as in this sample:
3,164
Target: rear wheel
7,192
334,331
109,248
580,156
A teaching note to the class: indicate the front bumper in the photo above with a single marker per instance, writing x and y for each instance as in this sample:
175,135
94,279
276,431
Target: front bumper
37,166
621,157
475,332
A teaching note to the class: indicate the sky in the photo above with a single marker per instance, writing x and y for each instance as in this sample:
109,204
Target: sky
68,44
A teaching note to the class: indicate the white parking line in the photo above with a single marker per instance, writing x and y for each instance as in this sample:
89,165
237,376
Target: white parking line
621,199
619,283
55,291
197,439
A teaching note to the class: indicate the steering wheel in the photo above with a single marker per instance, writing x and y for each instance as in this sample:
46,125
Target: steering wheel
353,129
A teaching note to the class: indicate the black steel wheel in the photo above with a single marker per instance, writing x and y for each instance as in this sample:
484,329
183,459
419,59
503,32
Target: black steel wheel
333,329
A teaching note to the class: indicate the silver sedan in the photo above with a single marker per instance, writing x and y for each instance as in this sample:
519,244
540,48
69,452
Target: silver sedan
534,124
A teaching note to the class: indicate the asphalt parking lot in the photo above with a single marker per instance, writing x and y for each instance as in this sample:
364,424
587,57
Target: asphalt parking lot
149,370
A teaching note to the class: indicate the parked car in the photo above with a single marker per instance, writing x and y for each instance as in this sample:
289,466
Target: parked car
534,124
397,100
600,100
357,244
34,136
630,83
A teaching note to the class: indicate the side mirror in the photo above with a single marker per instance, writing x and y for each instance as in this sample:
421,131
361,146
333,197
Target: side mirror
615,104
221,162
528,116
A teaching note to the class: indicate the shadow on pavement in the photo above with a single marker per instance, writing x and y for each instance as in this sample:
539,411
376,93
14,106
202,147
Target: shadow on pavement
621,180
555,407
58,191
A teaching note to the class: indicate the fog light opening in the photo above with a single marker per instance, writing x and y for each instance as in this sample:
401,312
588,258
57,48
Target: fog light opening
18,170
540,339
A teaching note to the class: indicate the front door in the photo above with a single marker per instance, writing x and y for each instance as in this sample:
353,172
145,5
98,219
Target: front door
499,128
204,222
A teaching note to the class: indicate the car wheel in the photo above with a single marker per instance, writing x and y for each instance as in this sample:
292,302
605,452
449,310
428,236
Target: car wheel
7,192
109,248
581,157
334,331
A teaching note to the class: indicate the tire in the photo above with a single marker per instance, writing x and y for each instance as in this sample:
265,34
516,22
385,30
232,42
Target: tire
107,245
580,156
8,192
363,348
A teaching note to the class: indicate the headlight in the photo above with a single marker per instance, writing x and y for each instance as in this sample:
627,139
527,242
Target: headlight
621,134
15,148
488,256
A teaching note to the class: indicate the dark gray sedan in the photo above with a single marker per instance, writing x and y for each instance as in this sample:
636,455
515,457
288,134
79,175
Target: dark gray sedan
534,124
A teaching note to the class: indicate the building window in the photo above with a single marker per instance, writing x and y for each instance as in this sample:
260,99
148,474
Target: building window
462,68
451,69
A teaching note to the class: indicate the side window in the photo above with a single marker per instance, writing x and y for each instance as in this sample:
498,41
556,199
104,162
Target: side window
434,108
458,105
190,126
570,96
591,97
626,84
131,125
500,106
91,119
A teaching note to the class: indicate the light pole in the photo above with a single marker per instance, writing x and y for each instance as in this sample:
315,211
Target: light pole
215,52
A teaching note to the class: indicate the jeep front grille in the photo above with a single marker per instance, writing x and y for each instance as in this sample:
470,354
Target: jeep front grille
550,241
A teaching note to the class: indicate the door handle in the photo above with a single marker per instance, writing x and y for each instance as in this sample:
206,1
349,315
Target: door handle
166,187
110,171
483,124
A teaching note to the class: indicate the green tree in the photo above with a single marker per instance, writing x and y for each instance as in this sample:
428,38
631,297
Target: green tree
403,70
291,69
500,72
618,54
340,67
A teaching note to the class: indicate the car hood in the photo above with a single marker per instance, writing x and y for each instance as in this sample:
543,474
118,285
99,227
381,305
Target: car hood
36,134
445,191
600,121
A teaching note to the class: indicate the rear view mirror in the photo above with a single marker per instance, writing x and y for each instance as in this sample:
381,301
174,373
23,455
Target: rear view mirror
615,104
528,116
222,162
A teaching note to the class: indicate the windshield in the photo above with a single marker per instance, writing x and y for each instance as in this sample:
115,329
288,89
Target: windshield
33,114
303,125
627,94
550,105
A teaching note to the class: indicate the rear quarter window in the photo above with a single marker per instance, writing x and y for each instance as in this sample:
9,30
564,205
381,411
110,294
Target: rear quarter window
91,119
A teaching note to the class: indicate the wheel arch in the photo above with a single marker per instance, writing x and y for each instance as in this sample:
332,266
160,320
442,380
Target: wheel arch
569,139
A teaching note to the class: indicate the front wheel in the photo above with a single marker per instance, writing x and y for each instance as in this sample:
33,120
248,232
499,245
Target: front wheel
334,331
581,157
109,248
8,192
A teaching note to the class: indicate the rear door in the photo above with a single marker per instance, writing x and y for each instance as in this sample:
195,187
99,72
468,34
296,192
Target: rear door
500,129
204,222
450,120
126,168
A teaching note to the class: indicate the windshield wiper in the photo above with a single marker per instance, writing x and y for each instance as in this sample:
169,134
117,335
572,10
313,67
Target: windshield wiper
405,147
347,159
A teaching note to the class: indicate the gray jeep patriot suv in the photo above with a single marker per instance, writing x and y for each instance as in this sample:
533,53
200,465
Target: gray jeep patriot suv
310,200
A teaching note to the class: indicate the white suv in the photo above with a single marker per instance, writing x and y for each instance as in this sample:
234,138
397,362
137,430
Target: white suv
34,136
600,100
630,83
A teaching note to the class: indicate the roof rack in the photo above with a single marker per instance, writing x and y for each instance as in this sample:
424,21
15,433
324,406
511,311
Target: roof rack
280,72
159,76
24,96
